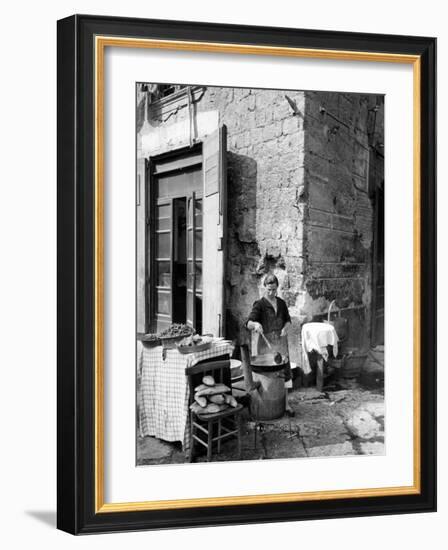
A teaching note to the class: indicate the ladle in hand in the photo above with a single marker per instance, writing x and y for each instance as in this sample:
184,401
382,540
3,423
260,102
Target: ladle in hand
277,356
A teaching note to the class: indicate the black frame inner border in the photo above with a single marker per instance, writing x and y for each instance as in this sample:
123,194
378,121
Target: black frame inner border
75,269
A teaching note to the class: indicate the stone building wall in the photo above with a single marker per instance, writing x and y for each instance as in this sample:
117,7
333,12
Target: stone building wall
341,131
298,195
265,175
265,152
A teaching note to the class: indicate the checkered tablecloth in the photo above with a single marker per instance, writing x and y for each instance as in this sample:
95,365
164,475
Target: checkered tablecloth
164,390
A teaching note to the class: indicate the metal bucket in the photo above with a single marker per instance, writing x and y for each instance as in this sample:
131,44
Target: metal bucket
270,378
270,402
266,363
265,384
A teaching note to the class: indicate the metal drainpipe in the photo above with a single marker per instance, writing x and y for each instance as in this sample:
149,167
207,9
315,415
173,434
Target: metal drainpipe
190,118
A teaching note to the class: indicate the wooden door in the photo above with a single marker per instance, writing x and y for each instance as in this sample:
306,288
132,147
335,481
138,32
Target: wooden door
163,263
194,262
141,244
172,185
214,208
191,262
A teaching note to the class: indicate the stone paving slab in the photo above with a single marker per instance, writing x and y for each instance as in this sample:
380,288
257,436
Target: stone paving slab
375,408
337,449
281,439
363,425
318,423
342,422
373,448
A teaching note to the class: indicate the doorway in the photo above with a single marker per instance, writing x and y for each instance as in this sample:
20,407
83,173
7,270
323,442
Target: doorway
185,237
180,261
377,333
175,246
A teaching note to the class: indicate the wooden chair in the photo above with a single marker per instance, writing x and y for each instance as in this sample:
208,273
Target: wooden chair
207,429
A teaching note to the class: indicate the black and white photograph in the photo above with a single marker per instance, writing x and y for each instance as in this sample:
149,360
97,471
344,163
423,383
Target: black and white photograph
259,274
224,274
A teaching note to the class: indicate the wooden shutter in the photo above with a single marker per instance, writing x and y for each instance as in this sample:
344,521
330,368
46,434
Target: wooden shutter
191,262
214,232
163,260
140,197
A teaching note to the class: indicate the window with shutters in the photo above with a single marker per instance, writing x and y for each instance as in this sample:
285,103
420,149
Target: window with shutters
185,239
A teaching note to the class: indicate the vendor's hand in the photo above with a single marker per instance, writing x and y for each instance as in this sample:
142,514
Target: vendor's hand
257,327
284,332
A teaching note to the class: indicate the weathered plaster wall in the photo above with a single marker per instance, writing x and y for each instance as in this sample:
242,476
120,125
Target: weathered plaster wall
265,178
265,147
163,127
338,235
298,195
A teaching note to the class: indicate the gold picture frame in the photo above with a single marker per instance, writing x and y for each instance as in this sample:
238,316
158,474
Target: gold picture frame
80,35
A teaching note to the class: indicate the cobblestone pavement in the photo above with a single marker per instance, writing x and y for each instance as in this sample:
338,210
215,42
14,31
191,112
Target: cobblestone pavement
343,420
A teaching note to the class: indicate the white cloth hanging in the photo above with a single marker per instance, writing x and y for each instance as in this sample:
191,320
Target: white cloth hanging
316,337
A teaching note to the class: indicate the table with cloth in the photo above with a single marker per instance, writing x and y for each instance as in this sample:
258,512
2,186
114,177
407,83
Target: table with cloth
164,391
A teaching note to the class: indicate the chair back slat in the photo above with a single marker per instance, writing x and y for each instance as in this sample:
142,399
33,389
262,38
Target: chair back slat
220,370
210,367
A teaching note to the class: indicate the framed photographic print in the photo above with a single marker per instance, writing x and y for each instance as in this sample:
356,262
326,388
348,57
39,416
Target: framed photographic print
246,274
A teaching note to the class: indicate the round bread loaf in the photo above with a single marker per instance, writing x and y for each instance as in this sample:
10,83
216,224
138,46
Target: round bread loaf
208,381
